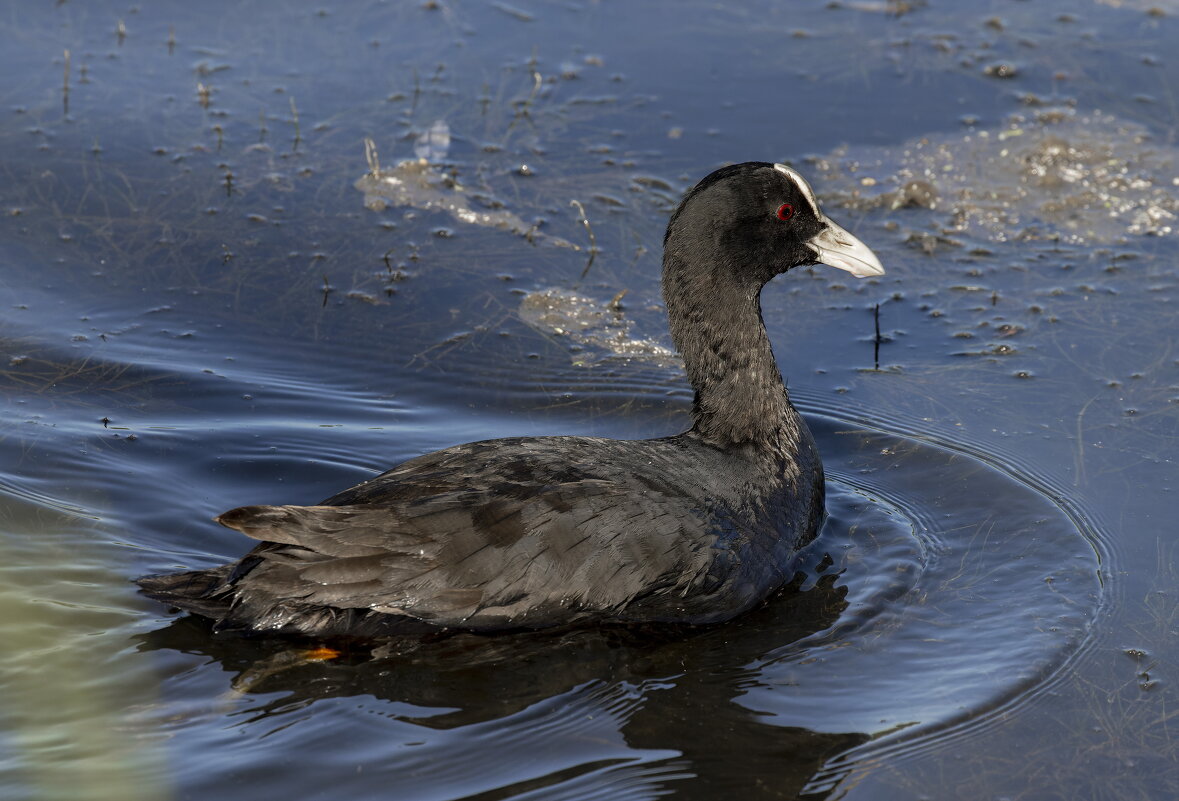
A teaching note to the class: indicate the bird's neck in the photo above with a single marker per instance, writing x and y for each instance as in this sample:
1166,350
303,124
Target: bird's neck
716,324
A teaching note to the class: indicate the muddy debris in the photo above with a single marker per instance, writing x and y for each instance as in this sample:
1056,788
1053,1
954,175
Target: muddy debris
592,324
1053,175
421,184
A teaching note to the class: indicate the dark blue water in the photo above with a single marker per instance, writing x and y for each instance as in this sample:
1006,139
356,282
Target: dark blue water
201,310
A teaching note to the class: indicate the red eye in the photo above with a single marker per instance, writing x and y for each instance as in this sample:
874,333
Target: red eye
785,212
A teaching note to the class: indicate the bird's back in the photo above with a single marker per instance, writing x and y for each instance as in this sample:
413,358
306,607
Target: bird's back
516,533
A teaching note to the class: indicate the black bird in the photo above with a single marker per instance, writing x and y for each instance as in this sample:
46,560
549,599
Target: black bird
532,532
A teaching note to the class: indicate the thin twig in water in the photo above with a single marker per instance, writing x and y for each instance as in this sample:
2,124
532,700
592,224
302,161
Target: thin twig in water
522,109
876,341
593,248
1079,452
485,98
370,154
65,86
523,106
295,114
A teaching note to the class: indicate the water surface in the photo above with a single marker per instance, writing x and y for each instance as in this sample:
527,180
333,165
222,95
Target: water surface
206,305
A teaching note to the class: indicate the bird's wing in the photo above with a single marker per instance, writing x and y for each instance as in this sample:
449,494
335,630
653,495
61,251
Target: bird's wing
518,552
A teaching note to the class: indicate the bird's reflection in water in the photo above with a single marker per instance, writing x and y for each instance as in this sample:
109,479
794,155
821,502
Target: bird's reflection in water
663,692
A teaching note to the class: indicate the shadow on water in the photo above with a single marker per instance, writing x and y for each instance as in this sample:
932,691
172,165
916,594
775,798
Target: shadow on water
583,714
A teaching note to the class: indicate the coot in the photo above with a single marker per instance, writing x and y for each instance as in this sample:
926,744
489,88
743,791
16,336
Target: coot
531,532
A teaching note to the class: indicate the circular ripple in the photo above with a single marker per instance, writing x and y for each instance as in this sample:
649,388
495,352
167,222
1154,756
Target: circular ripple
966,590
